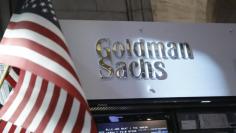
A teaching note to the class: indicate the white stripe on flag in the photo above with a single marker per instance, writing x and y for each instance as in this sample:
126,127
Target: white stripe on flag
13,74
42,110
31,101
3,91
87,123
72,117
38,20
27,131
7,127
1,96
40,60
57,113
8,114
12,91
6,90
18,129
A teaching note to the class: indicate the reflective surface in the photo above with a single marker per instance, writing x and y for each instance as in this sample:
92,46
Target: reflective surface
204,66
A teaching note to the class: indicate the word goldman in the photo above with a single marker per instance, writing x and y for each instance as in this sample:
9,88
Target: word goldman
140,59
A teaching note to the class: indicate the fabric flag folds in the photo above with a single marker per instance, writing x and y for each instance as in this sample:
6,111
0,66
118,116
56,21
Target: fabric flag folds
10,78
46,95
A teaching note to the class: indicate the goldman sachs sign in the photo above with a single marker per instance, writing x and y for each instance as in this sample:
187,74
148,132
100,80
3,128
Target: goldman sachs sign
144,58
118,60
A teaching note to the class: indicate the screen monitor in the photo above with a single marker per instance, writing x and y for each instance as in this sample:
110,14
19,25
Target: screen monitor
149,126
132,123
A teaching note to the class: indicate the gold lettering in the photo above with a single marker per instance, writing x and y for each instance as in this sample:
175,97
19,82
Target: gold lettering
104,45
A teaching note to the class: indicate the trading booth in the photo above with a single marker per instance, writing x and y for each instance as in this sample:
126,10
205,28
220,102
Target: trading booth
150,77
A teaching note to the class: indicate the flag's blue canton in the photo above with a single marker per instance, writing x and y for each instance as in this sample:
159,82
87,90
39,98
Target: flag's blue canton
43,8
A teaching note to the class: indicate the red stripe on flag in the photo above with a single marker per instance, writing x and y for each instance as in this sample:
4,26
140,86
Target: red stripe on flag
2,125
37,104
39,29
12,129
25,100
79,121
41,50
65,114
23,130
11,81
49,75
16,70
13,96
93,127
50,110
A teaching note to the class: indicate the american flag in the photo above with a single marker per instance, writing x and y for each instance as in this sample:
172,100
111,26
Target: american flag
46,95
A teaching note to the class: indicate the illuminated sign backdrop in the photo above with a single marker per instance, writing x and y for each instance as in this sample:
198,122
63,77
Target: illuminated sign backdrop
143,51
120,60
